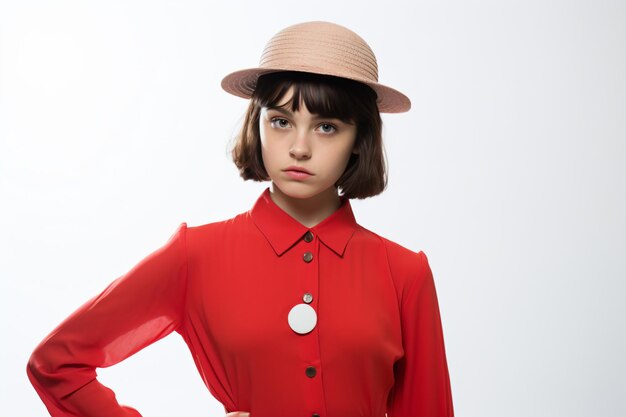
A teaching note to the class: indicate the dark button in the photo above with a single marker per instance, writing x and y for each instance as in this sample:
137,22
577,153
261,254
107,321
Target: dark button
308,257
310,371
315,415
308,236
307,297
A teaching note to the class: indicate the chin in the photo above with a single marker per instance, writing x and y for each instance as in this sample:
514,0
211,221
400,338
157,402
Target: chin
299,190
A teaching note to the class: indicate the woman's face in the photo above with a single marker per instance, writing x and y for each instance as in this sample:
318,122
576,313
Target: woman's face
304,155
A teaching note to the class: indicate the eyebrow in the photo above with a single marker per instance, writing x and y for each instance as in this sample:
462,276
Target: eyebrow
288,113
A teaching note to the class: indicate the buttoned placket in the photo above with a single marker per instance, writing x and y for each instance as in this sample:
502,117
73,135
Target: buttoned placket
308,249
303,250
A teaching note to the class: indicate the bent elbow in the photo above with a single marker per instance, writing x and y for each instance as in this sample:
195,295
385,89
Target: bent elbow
38,366
58,368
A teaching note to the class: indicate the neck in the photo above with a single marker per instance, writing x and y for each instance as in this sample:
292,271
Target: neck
307,211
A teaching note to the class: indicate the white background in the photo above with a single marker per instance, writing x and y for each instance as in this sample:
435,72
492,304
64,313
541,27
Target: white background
509,172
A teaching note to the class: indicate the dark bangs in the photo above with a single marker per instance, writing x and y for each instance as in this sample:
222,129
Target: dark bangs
322,95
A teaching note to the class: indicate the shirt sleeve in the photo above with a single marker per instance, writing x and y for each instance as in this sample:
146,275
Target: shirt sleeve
137,309
422,382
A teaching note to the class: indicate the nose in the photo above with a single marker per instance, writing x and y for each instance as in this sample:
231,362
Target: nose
300,148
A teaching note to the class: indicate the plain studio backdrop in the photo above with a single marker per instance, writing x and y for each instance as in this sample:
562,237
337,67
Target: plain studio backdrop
509,172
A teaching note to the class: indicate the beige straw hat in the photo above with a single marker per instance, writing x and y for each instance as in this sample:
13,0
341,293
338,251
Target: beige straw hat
320,48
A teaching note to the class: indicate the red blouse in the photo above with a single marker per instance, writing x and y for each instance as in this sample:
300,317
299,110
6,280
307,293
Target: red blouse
377,346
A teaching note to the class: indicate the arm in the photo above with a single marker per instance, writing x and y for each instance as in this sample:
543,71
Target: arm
422,383
135,310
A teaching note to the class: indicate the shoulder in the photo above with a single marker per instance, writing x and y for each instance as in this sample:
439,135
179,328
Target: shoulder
216,231
409,268
401,259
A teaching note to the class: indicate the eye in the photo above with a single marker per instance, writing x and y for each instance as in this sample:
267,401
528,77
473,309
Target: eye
279,122
328,128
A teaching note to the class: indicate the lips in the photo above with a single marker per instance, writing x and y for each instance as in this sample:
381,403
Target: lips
297,173
297,169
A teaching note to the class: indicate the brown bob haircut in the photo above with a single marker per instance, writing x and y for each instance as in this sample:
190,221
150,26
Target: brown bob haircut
333,97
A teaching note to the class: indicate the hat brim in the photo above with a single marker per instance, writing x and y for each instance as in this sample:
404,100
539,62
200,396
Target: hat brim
243,82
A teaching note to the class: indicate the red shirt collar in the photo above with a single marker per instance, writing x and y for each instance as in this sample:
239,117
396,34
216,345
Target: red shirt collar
282,231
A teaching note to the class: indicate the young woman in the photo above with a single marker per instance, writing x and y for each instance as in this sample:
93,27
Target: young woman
330,319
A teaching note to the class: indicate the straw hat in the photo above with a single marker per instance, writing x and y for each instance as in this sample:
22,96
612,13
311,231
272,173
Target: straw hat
320,48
